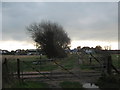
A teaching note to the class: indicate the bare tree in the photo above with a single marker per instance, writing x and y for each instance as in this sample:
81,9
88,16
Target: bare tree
51,37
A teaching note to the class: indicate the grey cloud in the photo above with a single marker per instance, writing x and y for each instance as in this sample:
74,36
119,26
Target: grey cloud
81,20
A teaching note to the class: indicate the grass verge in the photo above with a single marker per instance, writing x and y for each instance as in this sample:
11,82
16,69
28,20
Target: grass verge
30,84
112,81
69,84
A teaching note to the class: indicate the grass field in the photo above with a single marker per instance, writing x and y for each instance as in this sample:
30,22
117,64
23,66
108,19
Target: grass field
69,63
116,60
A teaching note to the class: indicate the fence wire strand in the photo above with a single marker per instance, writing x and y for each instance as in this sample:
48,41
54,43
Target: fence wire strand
36,70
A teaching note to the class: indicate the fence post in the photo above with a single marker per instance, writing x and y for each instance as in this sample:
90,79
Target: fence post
109,65
18,68
5,62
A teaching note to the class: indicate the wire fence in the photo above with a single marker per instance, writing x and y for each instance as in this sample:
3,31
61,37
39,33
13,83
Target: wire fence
17,68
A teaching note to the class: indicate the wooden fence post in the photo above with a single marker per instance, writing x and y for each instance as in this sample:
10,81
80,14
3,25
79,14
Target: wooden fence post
109,65
6,64
18,68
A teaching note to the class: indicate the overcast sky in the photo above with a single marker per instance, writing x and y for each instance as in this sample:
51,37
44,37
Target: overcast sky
81,20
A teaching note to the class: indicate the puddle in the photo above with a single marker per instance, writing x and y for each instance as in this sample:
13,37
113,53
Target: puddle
90,85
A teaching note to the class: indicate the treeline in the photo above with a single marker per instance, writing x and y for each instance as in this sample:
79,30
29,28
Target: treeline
22,52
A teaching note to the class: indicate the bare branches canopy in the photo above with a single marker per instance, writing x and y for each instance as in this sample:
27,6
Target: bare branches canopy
51,37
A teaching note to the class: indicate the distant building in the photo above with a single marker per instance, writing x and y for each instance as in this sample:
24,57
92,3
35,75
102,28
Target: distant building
88,50
4,52
74,51
32,52
20,52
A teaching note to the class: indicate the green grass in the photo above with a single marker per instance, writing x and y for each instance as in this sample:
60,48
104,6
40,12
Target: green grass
116,60
69,84
86,62
27,66
112,81
30,84
69,63
13,58
48,67
85,67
